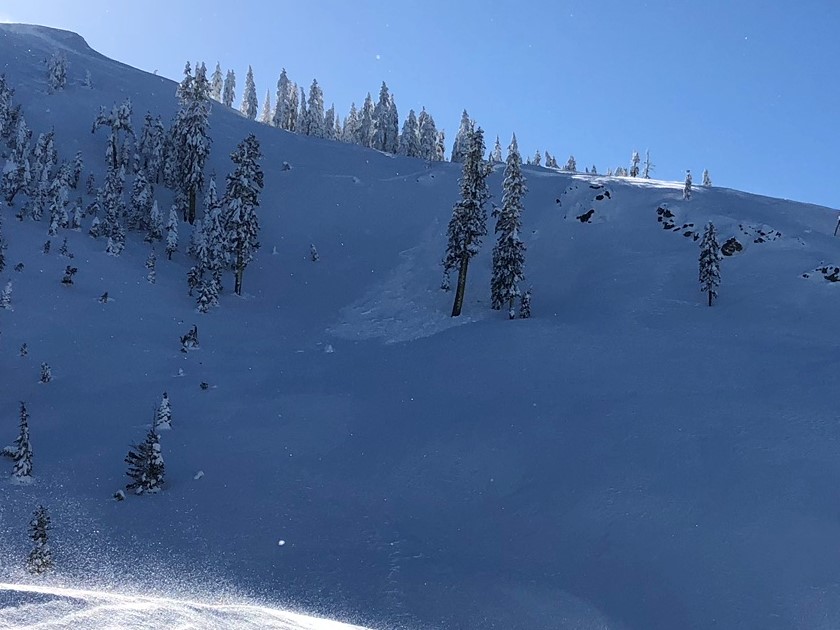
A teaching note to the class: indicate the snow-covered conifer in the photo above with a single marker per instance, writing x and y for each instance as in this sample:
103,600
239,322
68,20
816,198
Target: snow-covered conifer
163,414
707,180
537,161
172,233
509,252
302,120
59,193
410,136
687,187
6,296
329,124
459,147
634,164
56,71
113,204
282,116
240,202
216,83
366,123
710,258
46,373
90,184
151,262
229,89
350,130
294,102
265,116
87,82
386,122
428,137
145,465
469,218
18,171
40,559
571,165
140,203
496,153
313,254
76,173
315,112
121,131
151,148
22,448
249,97
525,305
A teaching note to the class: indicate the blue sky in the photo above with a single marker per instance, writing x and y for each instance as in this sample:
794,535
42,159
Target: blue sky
746,89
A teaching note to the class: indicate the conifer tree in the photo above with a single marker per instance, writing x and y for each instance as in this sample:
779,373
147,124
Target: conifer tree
22,449
707,180
265,116
329,124
509,252
282,115
459,147
145,465
151,148
571,165
293,108
58,199
163,414
155,223
249,97
216,83
469,218
537,158
386,122
710,257
302,120
240,202
350,130
56,71
496,154
17,172
113,205
76,173
46,373
40,559
687,187
141,203
366,124
648,165
229,89
634,164
6,297
428,137
7,124
315,112
410,137
121,132
151,262
172,233
525,305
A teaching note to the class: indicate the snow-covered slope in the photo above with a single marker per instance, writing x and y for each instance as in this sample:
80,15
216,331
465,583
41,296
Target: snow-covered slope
626,458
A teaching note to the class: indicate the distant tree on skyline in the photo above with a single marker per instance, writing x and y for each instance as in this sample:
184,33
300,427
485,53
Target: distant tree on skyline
229,89
249,97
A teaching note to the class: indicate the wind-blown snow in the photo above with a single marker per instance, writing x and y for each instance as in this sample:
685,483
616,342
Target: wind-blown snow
626,458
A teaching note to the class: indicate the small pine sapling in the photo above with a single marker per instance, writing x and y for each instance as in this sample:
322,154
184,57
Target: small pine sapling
40,559
313,253
95,230
163,414
104,299
6,297
145,465
69,272
687,188
151,262
24,350
707,179
46,373
172,233
90,185
22,449
47,246
190,340
525,305
63,249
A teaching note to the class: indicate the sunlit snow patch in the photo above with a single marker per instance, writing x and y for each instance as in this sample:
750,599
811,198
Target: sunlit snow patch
36,607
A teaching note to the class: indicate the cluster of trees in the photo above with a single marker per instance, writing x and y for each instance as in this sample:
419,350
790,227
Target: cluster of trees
468,226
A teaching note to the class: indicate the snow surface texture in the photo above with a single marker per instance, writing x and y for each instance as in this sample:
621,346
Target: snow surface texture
626,458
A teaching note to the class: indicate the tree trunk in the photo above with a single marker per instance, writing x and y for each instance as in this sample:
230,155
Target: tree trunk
191,212
462,284
511,312
240,269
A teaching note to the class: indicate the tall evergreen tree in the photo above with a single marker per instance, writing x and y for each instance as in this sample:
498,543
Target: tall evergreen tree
121,132
459,147
140,203
329,124
151,148
265,116
249,97
229,89
163,414
216,83
634,164
509,252
710,258
315,112
366,124
496,154
172,233
241,200
386,122
469,218
350,130
22,449
17,173
410,137
707,180
293,108
145,465
58,198
40,557
428,137
57,71
302,120
282,114
687,187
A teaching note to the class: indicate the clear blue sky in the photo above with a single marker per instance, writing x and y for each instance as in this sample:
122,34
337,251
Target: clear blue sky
745,88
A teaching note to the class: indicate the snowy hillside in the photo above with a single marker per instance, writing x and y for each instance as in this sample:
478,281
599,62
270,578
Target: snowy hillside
626,458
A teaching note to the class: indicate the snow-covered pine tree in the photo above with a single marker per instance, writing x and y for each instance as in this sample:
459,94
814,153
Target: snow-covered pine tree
7,126
249,97
410,137
302,120
282,116
40,559
314,256
229,89
58,198
78,167
87,82
293,108
386,122
216,84
18,172
537,158
707,180
241,200
315,112
22,448
329,124
265,116
56,71
648,165
113,205
459,147
428,137
155,224
6,297
571,165
687,187
366,124
509,252
525,305
163,414
145,465
90,184
151,148
121,131
350,129
710,258
151,262
172,233
496,153
140,203
634,164
46,373
469,218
